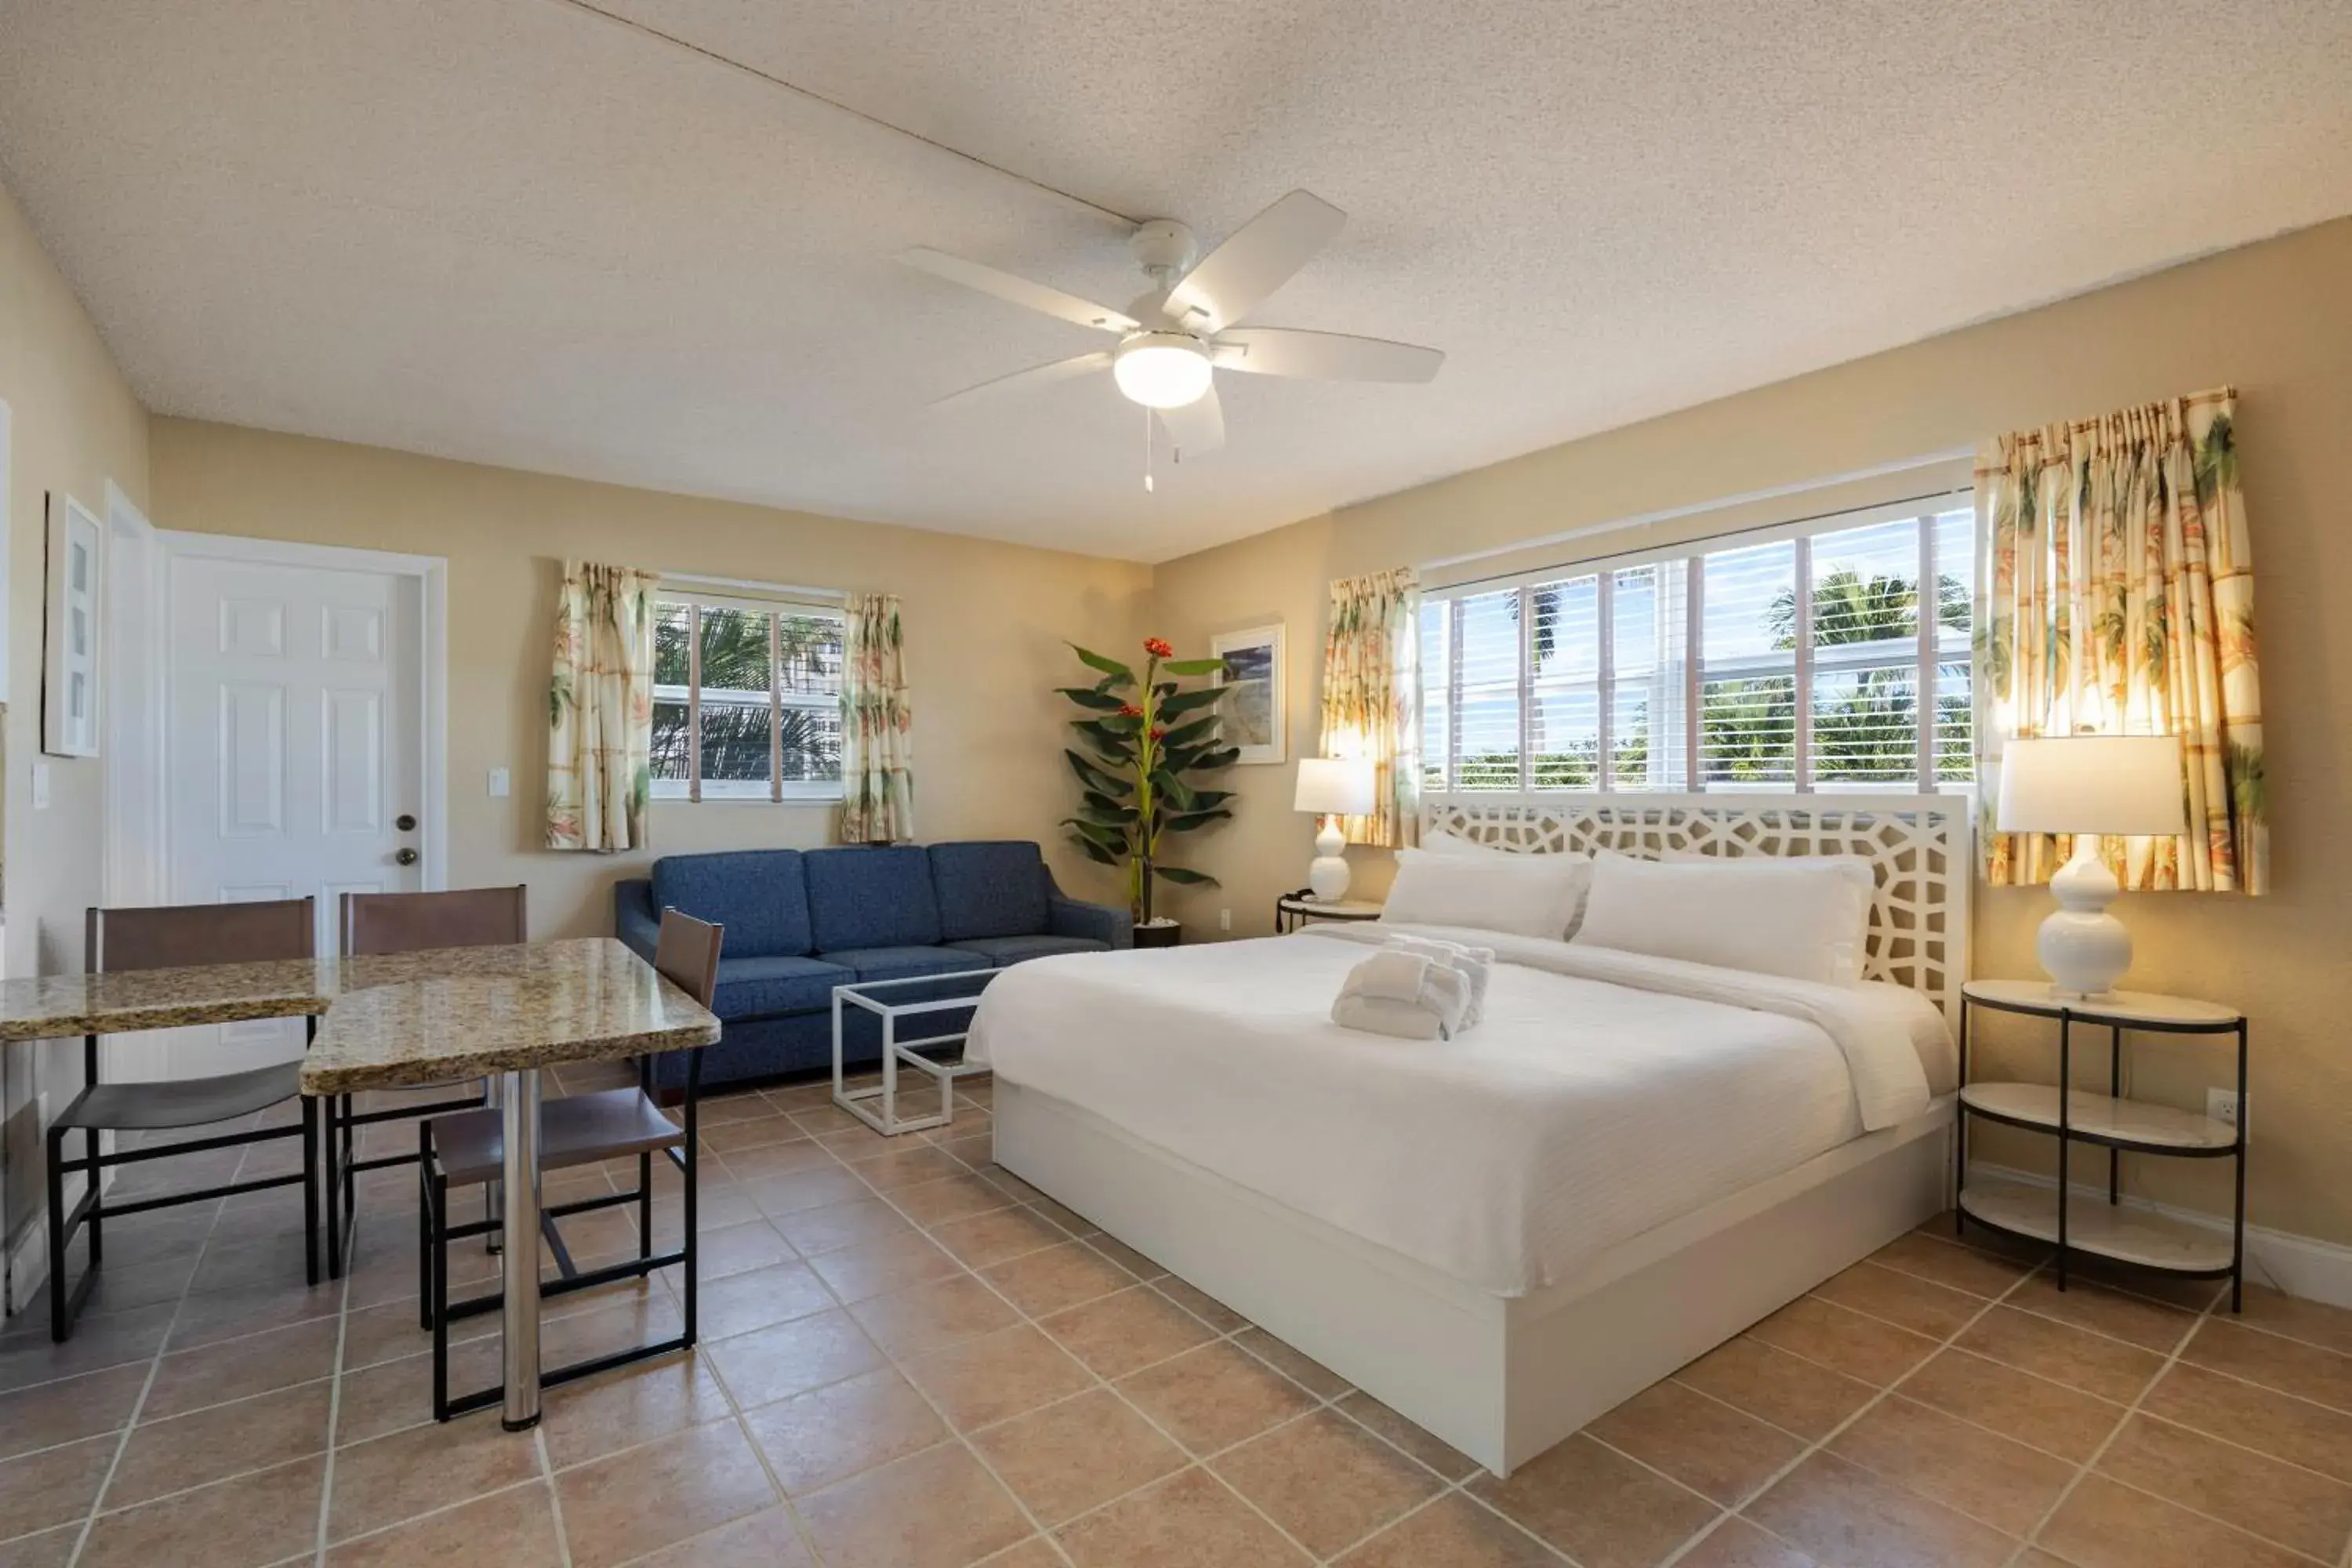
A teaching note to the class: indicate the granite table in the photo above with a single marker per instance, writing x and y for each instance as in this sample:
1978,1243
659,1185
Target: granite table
397,1019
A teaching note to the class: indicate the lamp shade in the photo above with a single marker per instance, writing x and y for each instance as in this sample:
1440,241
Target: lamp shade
2091,783
1338,786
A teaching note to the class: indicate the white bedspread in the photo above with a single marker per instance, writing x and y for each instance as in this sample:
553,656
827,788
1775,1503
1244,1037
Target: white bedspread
1605,1093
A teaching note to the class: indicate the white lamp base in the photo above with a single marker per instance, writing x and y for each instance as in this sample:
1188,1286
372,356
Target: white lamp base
1327,878
2083,949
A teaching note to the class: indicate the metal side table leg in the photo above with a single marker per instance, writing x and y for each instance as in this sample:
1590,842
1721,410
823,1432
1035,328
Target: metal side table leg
519,1263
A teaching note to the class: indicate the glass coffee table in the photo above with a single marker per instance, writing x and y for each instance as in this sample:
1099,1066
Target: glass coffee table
907,1004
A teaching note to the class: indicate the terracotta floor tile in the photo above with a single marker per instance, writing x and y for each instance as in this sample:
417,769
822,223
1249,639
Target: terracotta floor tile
997,1376
934,1315
1735,1544
2105,1524
1126,1256
813,1439
2047,1416
383,1482
185,1451
783,1195
2092,1363
1326,1481
740,1302
628,1406
1060,1275
1703,1442
883,1263
908,1165
188,1379
1452,1532
1844,1516
1904,1299
27,1355
938,1508
1068,1218
1035,1553
768,1540
2262,1496
45,1414
1220,1318
1597,1506
2151,1325
1424,1446
768,1365
835,1226
389,1332
1844,1340
49,1549
1775,1386
953,1197
775,1161
826,1117
2286,1428
2288,1365
236,1523
1065,1457
704,1478
1293,1363
1120,1333
738,1249
737,1133
1190,1520
231,1315
2005,1484
514,1529
1215,1397
1946,1262
994,1236
2314,1322
51,1486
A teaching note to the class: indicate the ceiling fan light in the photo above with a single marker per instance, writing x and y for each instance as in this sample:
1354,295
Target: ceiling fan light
1162,370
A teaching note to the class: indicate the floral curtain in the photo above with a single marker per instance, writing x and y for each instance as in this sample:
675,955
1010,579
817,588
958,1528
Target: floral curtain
1370,698
2116,597
599,706
877,781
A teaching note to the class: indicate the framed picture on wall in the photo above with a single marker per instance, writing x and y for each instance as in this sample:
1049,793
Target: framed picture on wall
69,649
1253,715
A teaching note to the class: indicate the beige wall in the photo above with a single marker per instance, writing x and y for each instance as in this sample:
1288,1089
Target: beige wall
2274,318
984,624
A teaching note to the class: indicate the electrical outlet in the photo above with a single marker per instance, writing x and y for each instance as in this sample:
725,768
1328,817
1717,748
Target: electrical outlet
498,783
1225,920
40,786
2223,1105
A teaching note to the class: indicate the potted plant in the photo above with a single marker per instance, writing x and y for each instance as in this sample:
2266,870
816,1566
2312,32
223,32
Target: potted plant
1147,735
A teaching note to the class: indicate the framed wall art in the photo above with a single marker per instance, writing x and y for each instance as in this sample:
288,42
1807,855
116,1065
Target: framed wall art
1255,713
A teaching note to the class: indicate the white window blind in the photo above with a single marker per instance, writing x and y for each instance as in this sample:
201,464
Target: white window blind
1794,660
746,698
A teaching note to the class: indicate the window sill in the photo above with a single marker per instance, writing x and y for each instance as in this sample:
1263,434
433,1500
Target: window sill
790,800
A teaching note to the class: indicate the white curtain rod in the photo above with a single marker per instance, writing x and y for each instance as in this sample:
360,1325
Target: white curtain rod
767,590
1720,503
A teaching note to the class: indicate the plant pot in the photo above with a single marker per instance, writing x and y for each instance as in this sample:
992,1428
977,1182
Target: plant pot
1156,935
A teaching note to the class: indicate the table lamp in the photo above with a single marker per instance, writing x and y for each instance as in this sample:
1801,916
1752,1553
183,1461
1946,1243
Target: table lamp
1335,787
2088,786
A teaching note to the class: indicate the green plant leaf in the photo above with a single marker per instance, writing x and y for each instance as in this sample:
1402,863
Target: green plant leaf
1190,701
1105,735
1189,878
1173,789
1095,851
1188,734
1187,821
1109,838
1107,811
1202,799
1108,666
1092,697
1091,776
1193,666
1224,759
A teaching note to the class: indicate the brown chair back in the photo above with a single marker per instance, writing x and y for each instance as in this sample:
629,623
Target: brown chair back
687,954
169,936
414,922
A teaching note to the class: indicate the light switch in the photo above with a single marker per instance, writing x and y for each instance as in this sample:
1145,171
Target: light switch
498,783
40,786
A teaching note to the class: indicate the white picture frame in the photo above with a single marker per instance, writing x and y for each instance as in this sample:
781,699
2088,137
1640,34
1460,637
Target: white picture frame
1256,716
75,588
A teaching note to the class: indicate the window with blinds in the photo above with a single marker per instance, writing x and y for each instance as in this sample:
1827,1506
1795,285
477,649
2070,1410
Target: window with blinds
747,698
1790,661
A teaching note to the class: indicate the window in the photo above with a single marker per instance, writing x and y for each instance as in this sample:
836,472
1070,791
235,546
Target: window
747,698
1790,661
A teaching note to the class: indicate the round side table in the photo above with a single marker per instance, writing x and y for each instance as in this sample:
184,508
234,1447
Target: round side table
1294,909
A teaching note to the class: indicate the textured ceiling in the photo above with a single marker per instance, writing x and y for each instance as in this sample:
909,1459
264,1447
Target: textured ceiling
518,232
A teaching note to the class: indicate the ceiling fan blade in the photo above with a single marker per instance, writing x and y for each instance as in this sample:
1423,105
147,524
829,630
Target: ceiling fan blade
1327,356
1035,375
1018,290
1255,261
1197,428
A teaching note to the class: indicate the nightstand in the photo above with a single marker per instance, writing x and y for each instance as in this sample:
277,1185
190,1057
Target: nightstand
2115,1121
1294,909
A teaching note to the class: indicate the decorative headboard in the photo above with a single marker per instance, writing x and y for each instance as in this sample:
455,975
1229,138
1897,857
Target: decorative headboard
1918,844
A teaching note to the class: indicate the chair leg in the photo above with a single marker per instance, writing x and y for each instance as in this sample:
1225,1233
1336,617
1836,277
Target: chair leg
424,1242
440,1298
331,1108
60,1330
692,1244
351,1176
98,1205
310,1188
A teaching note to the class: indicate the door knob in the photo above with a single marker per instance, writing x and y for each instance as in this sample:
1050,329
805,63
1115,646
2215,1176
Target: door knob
404,822
406,857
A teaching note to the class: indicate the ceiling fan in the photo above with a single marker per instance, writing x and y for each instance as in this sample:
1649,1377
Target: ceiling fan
1182,330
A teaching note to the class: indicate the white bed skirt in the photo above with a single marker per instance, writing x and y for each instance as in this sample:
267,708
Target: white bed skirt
1502,1379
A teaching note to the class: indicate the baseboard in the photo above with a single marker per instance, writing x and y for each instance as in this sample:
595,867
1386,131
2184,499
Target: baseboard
2298,1265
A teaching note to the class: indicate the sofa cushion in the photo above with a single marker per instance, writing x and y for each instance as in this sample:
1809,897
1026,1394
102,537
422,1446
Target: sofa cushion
757,894
989,889
904,962
862,897
762,987
1001,951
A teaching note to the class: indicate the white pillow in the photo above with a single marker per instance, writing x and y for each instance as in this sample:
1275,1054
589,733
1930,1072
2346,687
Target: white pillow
1455,846
1805,918
1525,895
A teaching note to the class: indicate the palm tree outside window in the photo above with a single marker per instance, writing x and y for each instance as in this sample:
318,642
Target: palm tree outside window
747,698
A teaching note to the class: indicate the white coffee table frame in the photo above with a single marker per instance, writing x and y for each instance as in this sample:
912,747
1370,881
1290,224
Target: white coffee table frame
896,1051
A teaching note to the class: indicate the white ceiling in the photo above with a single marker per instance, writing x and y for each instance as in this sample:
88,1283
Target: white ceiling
517,232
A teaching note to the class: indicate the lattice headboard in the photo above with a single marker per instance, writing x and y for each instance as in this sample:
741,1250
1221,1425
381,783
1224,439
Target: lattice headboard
1918,844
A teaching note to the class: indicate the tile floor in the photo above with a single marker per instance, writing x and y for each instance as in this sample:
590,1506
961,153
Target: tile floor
912,1359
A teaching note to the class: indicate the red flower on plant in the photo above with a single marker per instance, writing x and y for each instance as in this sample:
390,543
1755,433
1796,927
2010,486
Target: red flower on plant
1130,710
1159,735
1160,648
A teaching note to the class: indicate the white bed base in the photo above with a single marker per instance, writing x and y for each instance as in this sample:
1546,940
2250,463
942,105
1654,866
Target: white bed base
1500,1378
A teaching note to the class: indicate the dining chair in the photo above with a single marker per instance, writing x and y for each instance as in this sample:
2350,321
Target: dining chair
173,937
382,923
469,1149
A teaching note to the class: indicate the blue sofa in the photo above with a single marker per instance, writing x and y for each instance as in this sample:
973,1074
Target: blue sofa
800,922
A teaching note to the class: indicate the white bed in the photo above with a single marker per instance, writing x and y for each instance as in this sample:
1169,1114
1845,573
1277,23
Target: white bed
1629,1161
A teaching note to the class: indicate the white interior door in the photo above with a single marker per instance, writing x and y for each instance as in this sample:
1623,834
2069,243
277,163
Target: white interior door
295,752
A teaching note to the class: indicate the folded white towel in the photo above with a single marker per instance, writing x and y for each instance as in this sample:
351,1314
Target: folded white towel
1476,965
1403,994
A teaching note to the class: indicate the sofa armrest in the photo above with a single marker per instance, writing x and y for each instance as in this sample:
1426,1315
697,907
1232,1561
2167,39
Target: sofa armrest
634,920
1101,922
